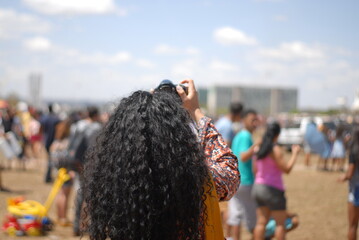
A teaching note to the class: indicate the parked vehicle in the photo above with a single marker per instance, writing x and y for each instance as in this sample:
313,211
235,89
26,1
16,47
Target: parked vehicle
291,134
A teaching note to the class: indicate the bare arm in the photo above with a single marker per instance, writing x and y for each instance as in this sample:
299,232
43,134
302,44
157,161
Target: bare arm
254,167
245,156
284,166
349,174
351,168
350,171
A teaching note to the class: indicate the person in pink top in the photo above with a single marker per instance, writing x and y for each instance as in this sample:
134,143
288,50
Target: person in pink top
268,190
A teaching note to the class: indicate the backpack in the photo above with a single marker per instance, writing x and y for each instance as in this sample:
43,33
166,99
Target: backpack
59,154
80,142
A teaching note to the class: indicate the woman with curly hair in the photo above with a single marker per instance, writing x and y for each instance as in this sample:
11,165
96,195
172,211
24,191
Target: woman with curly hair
154,174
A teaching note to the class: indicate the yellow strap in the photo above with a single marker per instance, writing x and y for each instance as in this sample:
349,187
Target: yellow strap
213,226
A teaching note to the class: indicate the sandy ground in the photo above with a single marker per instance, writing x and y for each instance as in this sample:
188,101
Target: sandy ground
318,199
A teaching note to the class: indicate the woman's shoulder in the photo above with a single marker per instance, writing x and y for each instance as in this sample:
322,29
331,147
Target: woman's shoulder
277,152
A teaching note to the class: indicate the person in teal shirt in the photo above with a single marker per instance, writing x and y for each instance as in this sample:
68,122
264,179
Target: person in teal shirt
242,208
242,143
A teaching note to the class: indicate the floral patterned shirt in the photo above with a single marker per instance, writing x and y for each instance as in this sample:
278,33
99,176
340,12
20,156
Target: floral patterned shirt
222,163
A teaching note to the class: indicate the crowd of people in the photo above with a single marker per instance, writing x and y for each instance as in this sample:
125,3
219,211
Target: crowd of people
259,202
27,134
158,168
329,143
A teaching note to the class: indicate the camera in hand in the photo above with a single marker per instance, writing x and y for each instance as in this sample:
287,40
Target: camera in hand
167,85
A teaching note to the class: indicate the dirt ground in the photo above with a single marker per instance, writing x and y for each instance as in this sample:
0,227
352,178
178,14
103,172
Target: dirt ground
318,199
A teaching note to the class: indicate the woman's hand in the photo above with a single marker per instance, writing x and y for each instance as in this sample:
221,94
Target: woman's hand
190,100
295,149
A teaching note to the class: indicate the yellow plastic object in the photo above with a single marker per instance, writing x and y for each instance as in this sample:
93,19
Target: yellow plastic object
27,207
18,207
62,177
213,226
33,232
11,231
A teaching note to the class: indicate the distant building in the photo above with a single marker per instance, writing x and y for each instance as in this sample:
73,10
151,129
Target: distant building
35,82
266,100
202,96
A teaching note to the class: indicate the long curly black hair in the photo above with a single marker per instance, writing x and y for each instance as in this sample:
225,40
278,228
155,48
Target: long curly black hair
145,177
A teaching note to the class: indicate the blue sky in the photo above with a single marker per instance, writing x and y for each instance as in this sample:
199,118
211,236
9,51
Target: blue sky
104,49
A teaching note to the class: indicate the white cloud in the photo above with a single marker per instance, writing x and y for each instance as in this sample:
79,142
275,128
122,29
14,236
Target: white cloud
165,49
37,44
74,7
222,66
101,58
145,63
68,56
268,67
185,69
14,24
280,18
341,51
121,57
232,36
192,51
311,68
291,51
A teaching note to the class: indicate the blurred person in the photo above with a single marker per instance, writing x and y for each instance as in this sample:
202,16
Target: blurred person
59,156
35,135
225,127
306,146
291,223
225,124
307,153
48,125
24,117
12,147
242,208
268,190
150,174
318,142
84,136
308,131
2,188
17,129
338,150
7,119
325,153
352,175
105,117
